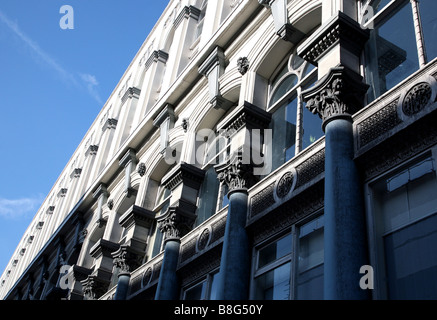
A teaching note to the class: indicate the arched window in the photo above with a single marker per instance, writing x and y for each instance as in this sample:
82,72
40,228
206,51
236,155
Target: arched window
212,195
294,128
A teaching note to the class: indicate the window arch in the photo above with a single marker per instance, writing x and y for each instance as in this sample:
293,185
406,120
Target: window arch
294,128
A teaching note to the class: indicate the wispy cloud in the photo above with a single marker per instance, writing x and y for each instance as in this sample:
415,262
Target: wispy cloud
91,84
18,208
86,80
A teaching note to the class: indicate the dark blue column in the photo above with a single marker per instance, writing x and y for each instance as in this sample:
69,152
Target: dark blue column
345,226
335,98
168,284
122,286
235,259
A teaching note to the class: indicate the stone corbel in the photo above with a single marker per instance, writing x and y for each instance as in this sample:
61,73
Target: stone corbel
101,194
131,92
137,221
165,122
103,261
280,18
129,162
342,31
186,12
213,68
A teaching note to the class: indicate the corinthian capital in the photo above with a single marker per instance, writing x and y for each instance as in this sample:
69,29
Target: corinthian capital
237,173
126,259
339,94
177,221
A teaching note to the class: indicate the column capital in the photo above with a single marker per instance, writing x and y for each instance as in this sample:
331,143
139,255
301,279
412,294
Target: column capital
177,221
126,259
339,94
93,287
236,173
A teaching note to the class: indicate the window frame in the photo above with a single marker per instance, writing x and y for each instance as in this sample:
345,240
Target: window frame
206,279
292,257
375,237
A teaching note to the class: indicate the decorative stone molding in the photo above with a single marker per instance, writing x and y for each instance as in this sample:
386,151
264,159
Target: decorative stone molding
340,29
186,13
103,248
128,161
137,216
185,124
50,209
126,259
417,99
101,193
204,239
62,192
285,184
110,204
147,276
141,169
185,173
92,150
243,65
131,92
110,123
339,94
236,173
156,56
76,173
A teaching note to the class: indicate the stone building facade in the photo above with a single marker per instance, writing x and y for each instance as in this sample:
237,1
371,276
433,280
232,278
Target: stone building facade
271,149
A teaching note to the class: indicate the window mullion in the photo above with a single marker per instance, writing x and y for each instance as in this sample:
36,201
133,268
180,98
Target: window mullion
299,121
421,51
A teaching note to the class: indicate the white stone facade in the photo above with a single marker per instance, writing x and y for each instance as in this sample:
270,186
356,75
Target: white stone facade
201,65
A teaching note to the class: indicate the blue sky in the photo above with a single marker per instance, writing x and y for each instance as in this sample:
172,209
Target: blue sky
53,83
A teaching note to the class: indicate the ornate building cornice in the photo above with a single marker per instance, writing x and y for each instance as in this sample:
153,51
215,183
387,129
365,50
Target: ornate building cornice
339,94
340,29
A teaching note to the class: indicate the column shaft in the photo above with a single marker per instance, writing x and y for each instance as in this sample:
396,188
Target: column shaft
345,228
235,259
168,284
